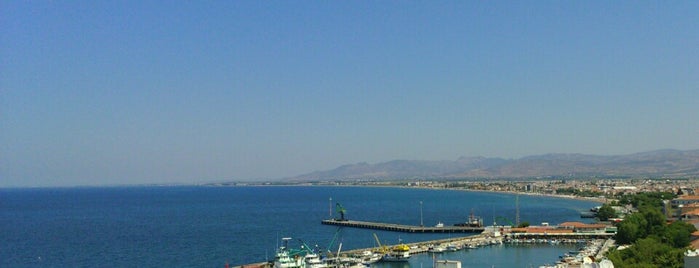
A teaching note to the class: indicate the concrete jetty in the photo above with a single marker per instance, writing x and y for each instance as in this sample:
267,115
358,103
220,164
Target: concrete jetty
402,227
422,247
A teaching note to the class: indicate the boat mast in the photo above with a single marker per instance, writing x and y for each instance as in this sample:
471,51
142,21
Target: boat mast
517,210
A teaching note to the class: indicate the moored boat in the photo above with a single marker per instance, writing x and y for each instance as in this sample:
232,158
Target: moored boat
286,258
369,257
313,261
399,252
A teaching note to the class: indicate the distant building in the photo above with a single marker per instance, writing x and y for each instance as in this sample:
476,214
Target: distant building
688,208
530,187
580,227
685,200
630,188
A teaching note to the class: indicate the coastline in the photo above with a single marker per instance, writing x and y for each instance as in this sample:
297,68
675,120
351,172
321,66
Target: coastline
572,197
602,200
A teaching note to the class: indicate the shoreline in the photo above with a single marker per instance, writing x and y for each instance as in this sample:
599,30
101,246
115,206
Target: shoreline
580,198
569,197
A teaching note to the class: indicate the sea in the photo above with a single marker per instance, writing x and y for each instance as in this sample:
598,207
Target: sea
200,226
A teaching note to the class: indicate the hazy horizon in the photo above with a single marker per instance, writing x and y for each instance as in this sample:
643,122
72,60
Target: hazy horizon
120,93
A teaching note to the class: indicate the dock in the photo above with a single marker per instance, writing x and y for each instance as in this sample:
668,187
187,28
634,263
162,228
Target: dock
402,228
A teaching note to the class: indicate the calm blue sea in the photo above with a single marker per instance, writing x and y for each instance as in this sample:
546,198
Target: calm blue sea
211,226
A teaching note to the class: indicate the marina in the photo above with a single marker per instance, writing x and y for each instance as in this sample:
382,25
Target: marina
590,249
596,238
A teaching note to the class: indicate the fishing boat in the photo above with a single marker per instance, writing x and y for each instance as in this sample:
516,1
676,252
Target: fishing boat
399,252
473,221
287,258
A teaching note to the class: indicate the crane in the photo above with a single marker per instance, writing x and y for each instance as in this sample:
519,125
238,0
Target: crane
306,248
502,219
381,249
342,211
332,242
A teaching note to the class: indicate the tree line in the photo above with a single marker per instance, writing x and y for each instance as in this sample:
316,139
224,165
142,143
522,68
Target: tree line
653,242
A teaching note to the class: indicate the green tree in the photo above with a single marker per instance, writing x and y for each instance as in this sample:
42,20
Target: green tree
655,220
523,224
654,199
647,252
605,212
678,234
632,228
654,243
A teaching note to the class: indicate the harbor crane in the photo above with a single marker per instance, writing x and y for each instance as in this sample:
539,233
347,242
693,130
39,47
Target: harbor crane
332,242
381,249
342,212
502,220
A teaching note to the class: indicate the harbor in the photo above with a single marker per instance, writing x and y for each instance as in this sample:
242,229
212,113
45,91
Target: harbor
590,248
419,243
596,238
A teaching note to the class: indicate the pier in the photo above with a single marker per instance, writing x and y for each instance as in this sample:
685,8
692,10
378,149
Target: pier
403,228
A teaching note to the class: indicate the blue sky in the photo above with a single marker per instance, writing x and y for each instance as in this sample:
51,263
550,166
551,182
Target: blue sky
132,92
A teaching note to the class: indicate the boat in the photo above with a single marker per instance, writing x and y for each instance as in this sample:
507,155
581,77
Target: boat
452,248
436,249
473,221
344,262
439,225
369,257
287,258
397,253
313,260
588,214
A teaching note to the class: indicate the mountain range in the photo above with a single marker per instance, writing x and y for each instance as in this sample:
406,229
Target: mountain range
654,164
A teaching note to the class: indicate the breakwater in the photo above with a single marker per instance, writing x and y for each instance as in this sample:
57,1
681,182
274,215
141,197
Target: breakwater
403,228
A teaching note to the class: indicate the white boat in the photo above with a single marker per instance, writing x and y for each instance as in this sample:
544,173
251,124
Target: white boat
452,247
369,257
439,225
344,262
396,256
397,253
437,249
285,259
313,261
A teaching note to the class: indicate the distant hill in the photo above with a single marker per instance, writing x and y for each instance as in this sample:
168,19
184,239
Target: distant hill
661,163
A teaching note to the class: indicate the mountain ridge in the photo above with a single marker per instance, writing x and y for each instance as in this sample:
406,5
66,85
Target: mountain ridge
665,163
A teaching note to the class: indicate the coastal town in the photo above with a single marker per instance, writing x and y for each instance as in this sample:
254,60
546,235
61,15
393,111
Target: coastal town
598,238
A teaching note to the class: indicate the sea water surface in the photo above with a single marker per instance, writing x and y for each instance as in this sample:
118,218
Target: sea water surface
195,226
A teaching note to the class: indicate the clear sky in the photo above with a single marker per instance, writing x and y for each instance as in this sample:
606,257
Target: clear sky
131,92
